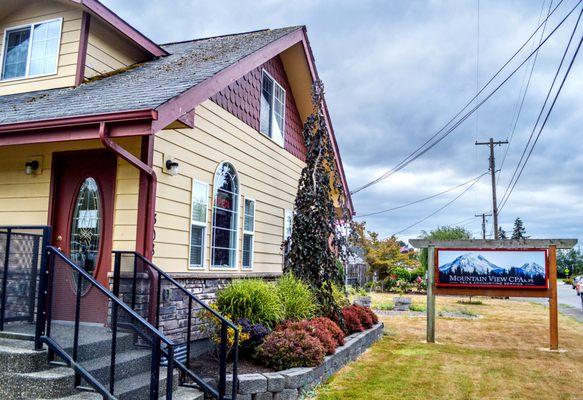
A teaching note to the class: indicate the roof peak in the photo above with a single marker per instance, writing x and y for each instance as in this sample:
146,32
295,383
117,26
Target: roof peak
292,27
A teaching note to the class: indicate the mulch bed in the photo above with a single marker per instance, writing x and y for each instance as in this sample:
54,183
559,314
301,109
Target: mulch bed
207,366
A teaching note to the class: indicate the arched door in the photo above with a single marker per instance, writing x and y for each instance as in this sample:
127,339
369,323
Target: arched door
83,201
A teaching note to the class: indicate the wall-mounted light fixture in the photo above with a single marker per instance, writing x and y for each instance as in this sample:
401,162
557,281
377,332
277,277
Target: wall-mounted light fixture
31,167
172,167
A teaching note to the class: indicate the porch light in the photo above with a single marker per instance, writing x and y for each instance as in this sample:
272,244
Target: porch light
172,167
30,167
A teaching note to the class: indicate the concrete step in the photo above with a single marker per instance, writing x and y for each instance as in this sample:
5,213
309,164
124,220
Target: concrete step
19,356
59,381
186,393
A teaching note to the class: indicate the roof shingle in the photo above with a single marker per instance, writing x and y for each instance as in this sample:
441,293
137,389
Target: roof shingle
146,86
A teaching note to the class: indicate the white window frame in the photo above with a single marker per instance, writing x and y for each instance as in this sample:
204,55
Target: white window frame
203,225
271,116
31,26
287,212
237,238
249,233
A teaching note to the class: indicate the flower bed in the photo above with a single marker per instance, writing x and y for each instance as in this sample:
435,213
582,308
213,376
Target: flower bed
289,384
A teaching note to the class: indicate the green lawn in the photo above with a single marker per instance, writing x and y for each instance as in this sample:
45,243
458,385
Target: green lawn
496,356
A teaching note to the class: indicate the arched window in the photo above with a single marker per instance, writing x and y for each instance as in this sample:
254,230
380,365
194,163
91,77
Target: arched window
225,217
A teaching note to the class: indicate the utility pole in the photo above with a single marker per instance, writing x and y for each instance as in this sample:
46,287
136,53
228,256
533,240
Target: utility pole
483,215
492,143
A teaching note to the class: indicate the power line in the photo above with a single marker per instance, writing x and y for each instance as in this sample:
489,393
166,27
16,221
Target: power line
520,103
438,210
513,181
420,151
423,199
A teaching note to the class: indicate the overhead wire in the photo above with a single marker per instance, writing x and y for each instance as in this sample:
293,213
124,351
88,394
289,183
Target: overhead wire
438,210
422,150
521,165
423,199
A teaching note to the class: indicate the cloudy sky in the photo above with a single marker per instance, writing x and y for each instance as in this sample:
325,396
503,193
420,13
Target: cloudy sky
396,71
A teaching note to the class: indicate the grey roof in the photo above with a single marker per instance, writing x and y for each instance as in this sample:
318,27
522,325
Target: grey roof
146,86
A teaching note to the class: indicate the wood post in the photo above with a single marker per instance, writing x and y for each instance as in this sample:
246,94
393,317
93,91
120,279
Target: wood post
430,295
553,306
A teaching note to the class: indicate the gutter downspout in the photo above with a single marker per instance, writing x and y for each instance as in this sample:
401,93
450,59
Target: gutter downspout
148,240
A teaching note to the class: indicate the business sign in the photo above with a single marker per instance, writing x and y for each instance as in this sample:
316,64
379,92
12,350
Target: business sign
492,268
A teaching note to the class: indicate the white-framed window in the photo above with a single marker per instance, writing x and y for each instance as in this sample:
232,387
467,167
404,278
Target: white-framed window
31,50
225,217
198,223
272,114
288,221
248,233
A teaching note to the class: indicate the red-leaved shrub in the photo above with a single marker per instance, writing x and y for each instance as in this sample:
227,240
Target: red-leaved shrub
316,330
358,318
352,320
291,348
331,327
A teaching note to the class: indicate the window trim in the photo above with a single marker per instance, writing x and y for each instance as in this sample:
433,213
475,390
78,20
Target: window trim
285,213
275,82
31,26
249,233
203,225
237,238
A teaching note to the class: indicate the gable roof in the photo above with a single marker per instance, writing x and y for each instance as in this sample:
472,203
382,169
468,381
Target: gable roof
146,86
95,7
165,88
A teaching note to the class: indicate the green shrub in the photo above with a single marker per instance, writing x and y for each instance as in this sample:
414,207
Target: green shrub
339,296
568,281
417,307
386,306
296,298
253,299
401,274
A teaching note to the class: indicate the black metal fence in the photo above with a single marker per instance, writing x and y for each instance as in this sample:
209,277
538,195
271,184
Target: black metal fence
157,296
22,255
105,354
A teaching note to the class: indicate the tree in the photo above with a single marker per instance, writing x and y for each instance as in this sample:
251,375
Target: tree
384,256
502,233
317,240
442,233
571,260
519,232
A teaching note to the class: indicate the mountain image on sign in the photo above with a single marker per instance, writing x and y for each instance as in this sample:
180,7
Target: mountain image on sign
475,269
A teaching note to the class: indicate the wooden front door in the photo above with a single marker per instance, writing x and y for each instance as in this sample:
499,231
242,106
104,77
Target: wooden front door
82,203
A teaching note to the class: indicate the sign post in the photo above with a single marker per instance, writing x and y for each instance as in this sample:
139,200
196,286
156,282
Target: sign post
553,306
430,295
496,268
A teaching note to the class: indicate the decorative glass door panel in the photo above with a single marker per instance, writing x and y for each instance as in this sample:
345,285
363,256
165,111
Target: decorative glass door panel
86,226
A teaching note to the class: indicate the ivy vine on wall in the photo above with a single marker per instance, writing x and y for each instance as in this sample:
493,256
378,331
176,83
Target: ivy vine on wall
322,220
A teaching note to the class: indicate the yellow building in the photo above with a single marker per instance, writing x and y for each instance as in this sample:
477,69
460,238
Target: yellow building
187,153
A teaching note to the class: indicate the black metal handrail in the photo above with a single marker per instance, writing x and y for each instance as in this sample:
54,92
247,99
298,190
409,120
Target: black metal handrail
219,393
28,277
160,344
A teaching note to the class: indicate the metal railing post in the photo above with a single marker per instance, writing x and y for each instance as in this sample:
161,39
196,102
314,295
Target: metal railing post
235,387
116,278
155,369
223,361
76,333
41,306
33,278
170,373
5,278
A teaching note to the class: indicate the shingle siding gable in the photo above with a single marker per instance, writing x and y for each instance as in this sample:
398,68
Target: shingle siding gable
242,99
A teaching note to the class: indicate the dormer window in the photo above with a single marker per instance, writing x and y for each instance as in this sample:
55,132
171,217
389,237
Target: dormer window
272,117
31,50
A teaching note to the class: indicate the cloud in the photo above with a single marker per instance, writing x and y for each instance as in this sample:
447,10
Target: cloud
395,72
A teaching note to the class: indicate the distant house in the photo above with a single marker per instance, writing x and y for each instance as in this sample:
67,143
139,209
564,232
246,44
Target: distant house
357,269
187,153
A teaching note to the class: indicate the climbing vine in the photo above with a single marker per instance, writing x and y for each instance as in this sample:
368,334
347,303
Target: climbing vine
322,220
